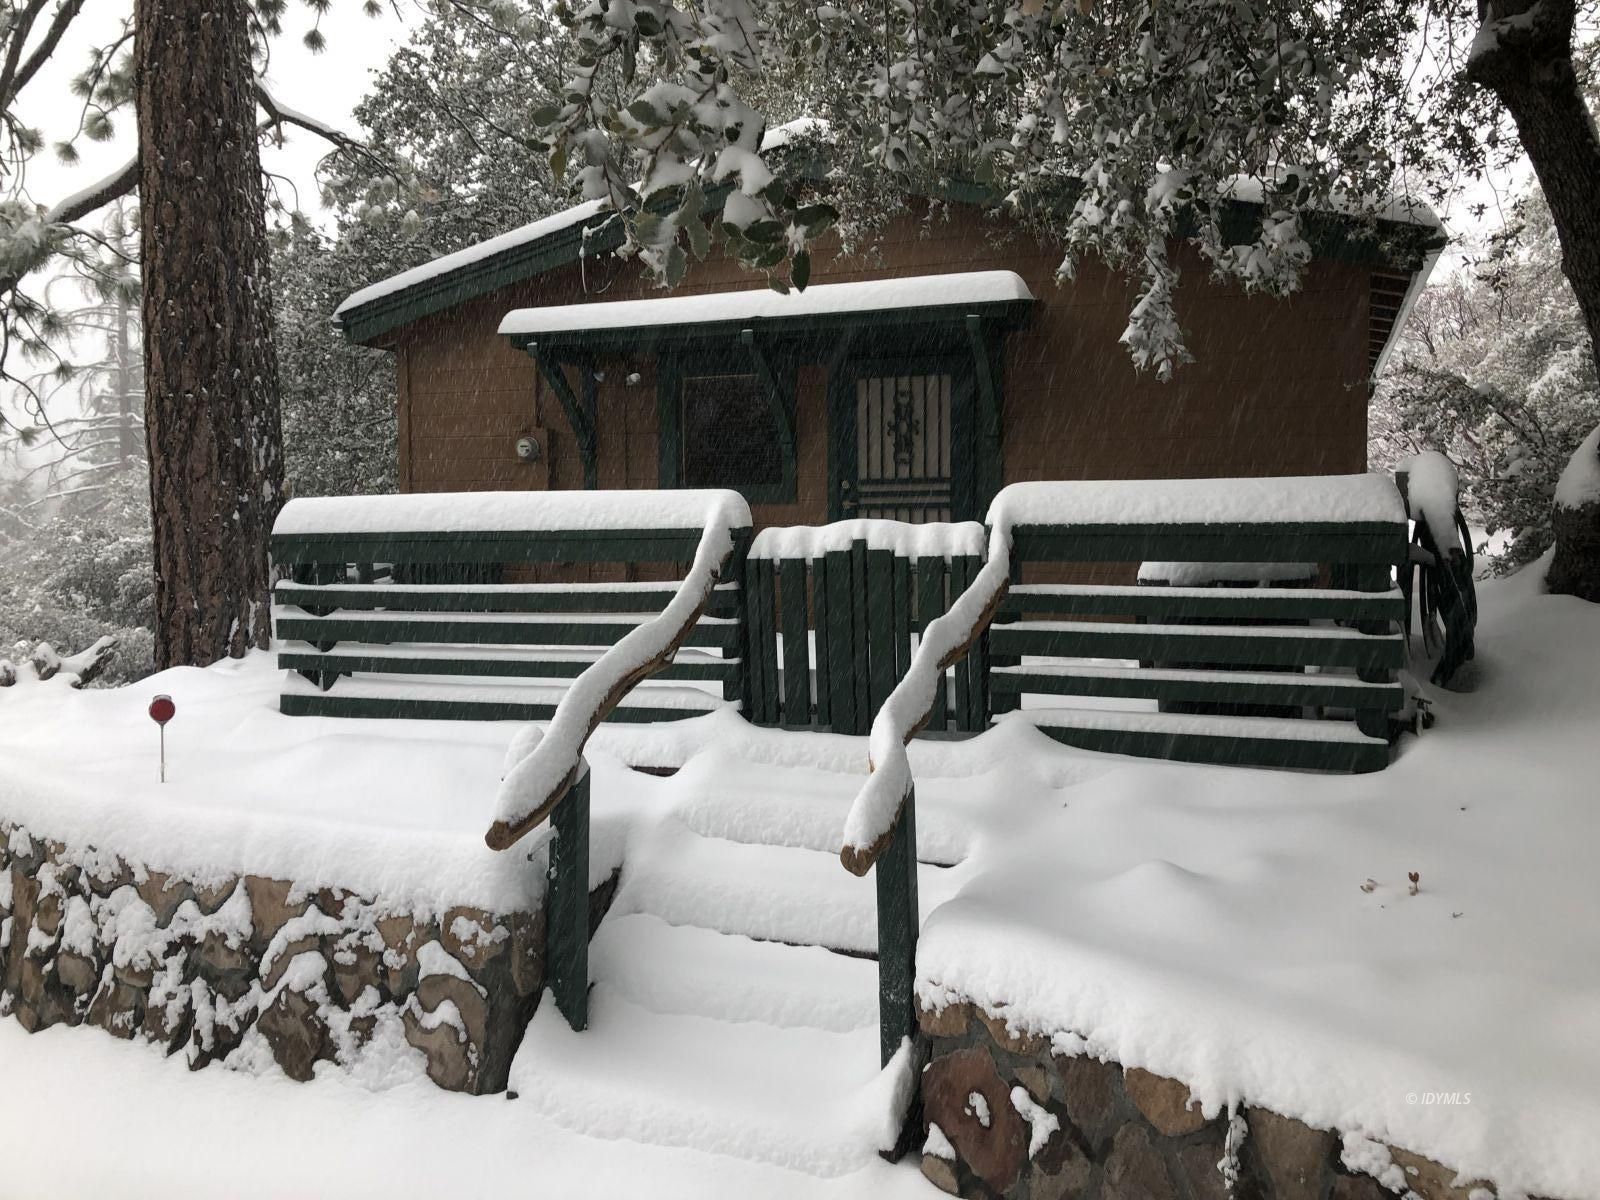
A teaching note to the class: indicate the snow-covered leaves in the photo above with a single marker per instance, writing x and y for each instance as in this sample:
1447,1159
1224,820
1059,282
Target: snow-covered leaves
1495,369
1115,129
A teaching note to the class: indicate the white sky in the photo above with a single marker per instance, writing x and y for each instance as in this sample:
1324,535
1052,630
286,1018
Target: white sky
326,86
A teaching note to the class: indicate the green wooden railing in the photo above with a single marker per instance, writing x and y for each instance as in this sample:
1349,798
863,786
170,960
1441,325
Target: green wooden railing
832,622
850,628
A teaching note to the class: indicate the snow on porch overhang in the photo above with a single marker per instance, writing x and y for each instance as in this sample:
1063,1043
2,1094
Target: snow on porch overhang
919,300
975,305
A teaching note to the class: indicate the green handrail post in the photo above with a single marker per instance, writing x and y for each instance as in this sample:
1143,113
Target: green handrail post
898,920
567,903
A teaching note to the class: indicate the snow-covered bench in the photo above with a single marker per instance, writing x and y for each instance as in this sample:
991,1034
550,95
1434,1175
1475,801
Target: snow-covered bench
1329,651
409,606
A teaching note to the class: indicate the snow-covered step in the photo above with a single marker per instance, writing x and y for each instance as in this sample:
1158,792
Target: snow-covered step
1236,741
774,893
808,1099
803,807
685,969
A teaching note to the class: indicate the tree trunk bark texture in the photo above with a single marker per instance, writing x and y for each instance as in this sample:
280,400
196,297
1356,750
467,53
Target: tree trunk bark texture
1528,64
211,380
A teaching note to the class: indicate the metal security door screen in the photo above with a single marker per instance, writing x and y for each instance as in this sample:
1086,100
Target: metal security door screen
903,447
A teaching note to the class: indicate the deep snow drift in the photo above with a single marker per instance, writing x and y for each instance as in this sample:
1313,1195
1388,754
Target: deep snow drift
1251,932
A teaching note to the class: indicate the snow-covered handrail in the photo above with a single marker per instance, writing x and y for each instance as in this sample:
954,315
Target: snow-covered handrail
543,764
875,814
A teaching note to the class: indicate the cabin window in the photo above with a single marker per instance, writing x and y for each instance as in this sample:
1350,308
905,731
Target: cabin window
730,433
721,429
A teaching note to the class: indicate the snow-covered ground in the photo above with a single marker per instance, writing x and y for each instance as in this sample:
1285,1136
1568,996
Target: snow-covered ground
1212,924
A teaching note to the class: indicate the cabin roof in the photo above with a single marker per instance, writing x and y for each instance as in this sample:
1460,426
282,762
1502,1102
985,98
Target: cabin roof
591,229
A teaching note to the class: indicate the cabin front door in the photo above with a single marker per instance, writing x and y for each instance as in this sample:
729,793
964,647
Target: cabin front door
902,441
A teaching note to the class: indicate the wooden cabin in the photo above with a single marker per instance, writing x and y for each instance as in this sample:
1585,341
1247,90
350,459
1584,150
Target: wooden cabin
911,381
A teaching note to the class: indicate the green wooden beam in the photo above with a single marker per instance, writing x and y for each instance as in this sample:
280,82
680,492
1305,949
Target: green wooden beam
779,398
988,472
580,419
490,547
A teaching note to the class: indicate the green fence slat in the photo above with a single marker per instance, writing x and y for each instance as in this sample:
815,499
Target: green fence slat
861,645
822,624
757,605
900,601
930,606
765,648
880,626
841,643
977,660
961,700
796,653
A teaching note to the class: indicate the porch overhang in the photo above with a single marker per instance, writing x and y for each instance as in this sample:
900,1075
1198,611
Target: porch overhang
822,323
932,303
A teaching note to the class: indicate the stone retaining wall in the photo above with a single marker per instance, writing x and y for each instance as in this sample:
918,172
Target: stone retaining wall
241,969
1005,1116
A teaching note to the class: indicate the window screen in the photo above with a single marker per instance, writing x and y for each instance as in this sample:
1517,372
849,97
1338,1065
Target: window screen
729,436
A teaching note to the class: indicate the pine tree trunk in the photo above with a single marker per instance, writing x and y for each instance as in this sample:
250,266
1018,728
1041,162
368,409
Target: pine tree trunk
211,380
1528,65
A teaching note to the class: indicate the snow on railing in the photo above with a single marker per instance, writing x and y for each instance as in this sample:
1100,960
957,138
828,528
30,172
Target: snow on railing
936,539
1433,498
875,813
509,512
542,765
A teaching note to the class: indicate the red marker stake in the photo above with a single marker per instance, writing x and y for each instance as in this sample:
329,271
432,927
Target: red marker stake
162,710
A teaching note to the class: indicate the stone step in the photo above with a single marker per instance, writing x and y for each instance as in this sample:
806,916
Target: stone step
680,969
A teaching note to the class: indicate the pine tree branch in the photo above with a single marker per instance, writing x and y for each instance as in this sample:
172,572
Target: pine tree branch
17,35
279,115
64,16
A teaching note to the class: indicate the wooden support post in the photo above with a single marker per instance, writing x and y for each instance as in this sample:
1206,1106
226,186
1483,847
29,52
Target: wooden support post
898,925
567,903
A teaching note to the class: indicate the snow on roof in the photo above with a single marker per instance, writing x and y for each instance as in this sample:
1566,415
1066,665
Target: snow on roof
876,295
504,512
571,218
434,269
1367,497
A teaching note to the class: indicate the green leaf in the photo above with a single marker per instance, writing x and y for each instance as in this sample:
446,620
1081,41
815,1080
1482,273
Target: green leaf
645,113
800,272
548,114
816,219
677,265
778,285
765,232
